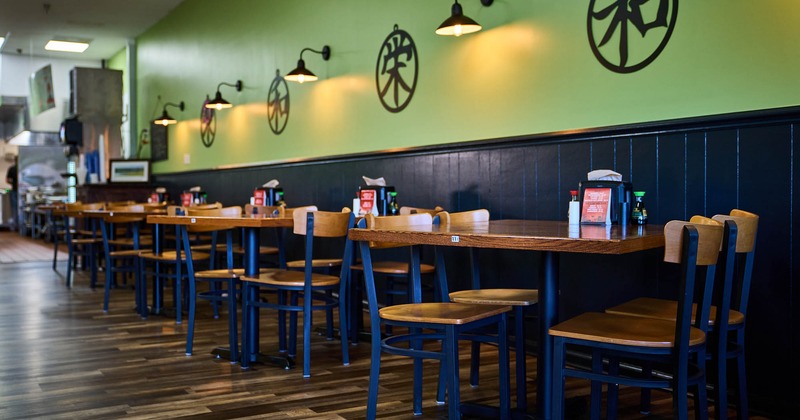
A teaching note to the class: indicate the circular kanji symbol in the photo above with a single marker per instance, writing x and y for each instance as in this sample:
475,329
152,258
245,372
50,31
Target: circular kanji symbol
278,104
609,23
396,71
208,124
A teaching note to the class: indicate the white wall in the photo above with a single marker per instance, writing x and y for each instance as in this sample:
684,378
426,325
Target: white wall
15,71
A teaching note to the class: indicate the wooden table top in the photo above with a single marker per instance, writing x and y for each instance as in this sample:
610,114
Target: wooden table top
254,221
536,235
104,213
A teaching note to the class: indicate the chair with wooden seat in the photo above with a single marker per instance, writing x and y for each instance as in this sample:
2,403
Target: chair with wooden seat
176,259
312,287
726,318
680,345
397,271
444,322
215,277
518,299
83,240
122,253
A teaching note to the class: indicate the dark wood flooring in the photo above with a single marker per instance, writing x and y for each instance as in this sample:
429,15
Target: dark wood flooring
65,358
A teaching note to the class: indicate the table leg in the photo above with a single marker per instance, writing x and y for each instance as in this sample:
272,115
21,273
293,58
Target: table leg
548,316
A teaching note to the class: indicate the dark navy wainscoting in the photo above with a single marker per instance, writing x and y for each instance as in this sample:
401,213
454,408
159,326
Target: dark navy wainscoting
701,166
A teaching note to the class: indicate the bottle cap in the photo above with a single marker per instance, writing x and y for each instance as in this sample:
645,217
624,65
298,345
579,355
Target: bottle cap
393,193
573,192
638,193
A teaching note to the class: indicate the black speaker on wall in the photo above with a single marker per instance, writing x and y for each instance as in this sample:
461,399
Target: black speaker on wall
72,132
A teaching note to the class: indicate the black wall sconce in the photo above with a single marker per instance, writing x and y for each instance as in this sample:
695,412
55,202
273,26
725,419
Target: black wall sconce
301,73
219,103
458,24
165,119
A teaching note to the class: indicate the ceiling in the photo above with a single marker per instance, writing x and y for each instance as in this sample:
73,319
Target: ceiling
106,24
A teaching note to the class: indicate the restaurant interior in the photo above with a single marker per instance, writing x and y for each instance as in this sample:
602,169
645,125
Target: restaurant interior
695,105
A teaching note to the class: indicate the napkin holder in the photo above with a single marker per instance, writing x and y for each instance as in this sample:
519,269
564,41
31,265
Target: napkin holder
191,198
621,192
264,196
381,194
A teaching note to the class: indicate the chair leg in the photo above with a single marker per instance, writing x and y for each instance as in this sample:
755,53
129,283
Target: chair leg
107,291
475,363
233,333
212,286
596,386
344,287
293,299
450,350
646,393
282,346
329,318
613,389
521,357
374,373
192,294
558,378
70,267
308,299
417,398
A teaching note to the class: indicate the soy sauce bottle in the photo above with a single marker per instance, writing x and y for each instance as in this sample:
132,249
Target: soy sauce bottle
394,209
639,213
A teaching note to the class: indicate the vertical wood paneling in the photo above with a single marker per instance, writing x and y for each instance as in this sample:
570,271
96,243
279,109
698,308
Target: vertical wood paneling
695,175
671,178
531,182
548,182
644,175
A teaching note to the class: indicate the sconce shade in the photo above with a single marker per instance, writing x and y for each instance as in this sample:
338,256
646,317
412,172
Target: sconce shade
458,24
301,74
219,102
165,119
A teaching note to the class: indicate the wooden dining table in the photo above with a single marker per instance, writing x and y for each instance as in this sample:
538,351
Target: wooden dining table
551,238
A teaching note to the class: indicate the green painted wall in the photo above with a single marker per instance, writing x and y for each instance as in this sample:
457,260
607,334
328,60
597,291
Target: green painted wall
530,71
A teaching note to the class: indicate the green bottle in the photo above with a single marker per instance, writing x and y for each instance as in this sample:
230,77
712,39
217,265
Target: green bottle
639,213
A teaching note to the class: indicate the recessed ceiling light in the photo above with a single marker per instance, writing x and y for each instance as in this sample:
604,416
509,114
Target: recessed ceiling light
66,46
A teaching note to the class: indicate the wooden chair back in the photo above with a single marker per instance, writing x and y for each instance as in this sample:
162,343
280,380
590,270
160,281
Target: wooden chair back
695,247
216,205
267,211
384,222
710,232
84,206
325,224
463,217
747,226
414,210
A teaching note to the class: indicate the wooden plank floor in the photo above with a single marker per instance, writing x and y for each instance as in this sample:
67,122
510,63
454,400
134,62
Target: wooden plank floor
65,358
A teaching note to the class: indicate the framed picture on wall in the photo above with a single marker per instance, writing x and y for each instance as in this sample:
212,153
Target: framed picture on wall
130,170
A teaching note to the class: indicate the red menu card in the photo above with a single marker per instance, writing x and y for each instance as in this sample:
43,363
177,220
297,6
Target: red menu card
596,206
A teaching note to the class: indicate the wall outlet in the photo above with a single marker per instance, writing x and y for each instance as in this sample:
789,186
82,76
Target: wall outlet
186,159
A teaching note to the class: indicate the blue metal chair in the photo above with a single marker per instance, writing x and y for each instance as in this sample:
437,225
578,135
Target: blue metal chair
680,344
726,318
83,240
121,254
438,321
518,299
310,286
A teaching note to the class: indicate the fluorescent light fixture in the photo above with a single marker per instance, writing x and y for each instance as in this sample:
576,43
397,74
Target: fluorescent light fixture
66,46
2,41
